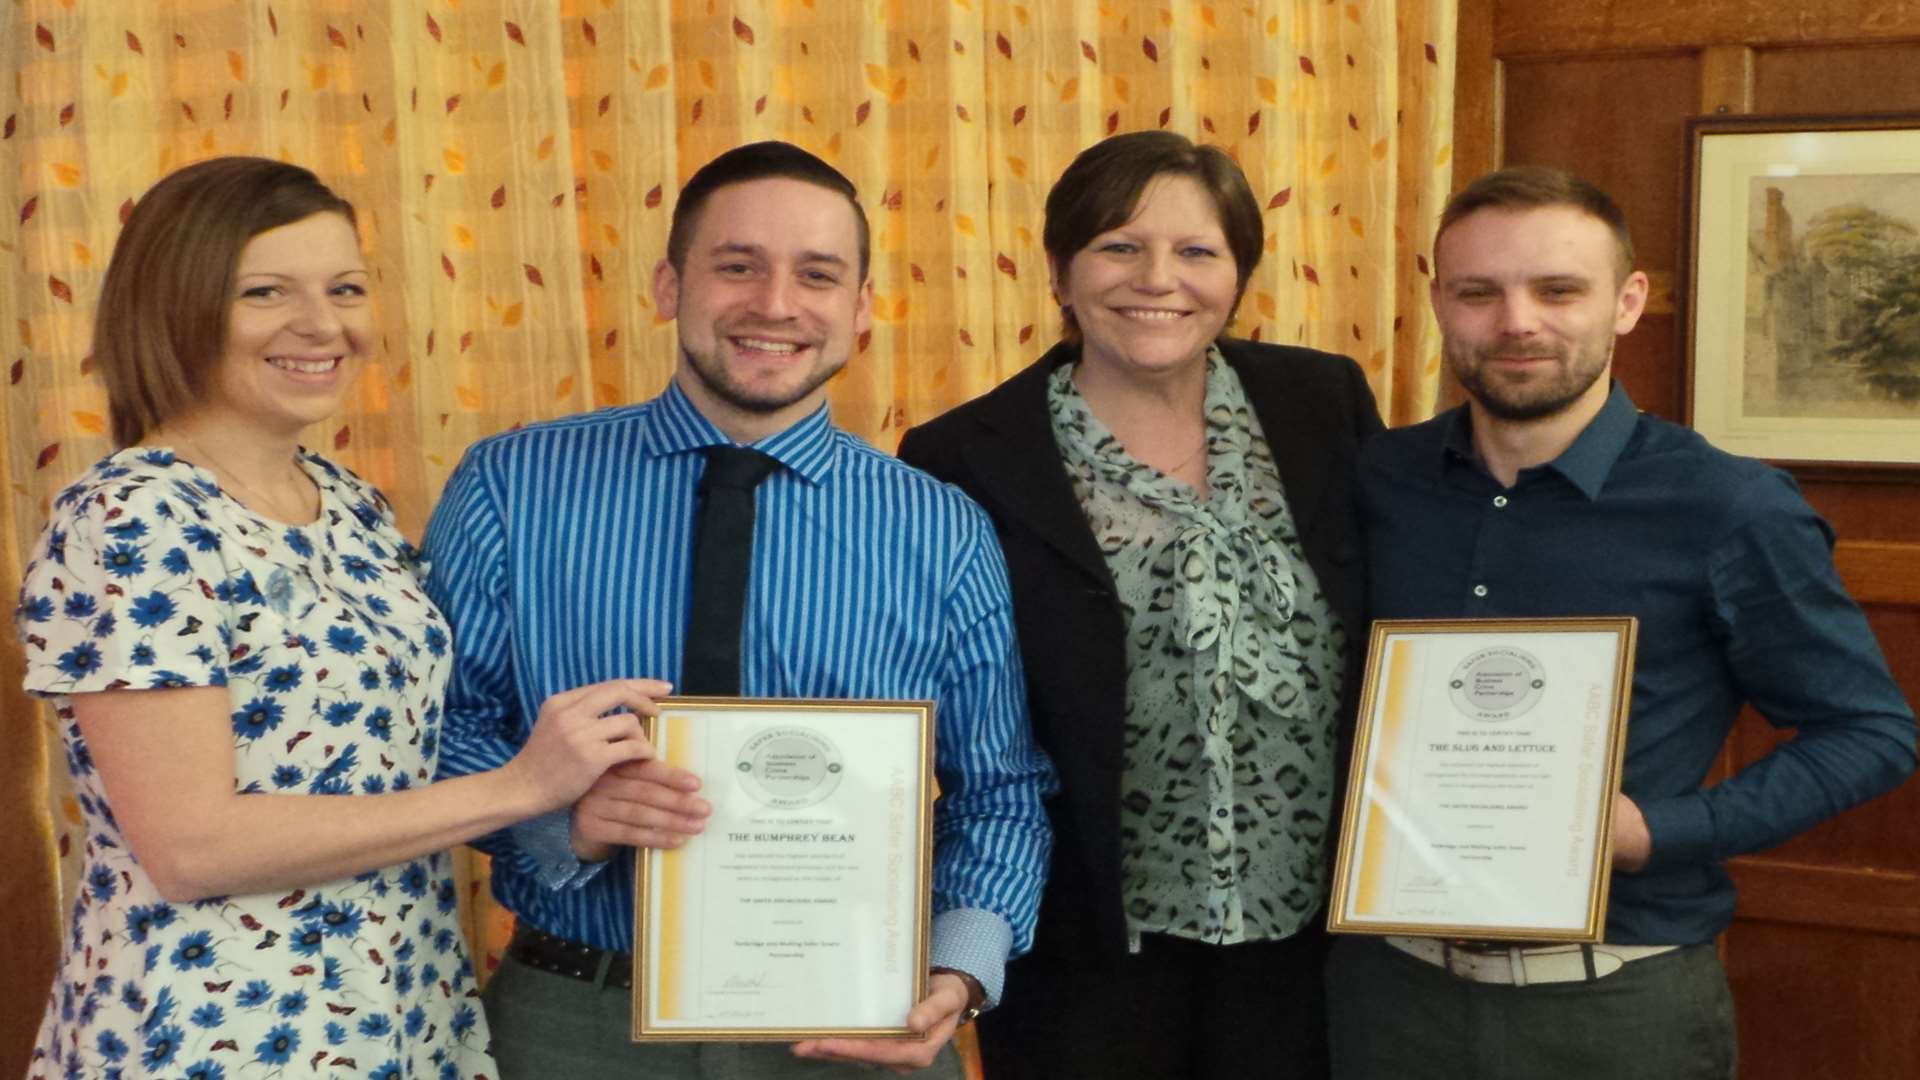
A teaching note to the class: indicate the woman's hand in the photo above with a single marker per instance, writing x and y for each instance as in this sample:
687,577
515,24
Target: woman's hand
577,737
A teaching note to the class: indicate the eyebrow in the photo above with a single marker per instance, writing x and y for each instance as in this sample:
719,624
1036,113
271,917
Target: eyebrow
1542,279
759,252
288,277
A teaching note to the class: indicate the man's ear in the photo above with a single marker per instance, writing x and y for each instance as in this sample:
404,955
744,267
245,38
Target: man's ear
666,290
863,308
1632,302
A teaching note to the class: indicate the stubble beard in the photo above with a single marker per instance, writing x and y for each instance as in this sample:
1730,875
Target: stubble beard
712,373
1576,372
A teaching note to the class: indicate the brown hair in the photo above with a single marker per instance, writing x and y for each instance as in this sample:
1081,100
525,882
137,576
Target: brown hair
756,161
1531,187
1101,190
161,326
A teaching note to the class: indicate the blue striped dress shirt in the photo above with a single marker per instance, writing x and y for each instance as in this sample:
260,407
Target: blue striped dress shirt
561,554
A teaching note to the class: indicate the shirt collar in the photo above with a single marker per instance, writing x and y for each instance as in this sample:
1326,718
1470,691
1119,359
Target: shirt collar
1586,463
806,448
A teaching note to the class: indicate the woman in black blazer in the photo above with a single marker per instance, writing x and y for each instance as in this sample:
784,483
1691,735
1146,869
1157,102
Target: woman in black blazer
1177,514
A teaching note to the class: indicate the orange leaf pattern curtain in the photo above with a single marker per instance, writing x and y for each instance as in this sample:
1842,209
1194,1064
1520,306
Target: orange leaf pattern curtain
515,162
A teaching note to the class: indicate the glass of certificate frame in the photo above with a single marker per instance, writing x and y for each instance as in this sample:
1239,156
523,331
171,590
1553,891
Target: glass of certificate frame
802,909
1485,766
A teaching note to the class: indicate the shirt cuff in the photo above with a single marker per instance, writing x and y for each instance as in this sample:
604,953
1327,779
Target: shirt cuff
975,941
1681,830
548,841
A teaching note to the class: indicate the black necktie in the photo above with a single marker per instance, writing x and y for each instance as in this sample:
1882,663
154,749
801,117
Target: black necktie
722,560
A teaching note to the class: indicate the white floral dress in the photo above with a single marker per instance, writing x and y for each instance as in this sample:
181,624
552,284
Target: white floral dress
334,661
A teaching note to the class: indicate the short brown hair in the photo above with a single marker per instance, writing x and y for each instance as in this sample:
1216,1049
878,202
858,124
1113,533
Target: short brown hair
757,161
161,326
1530,187
1101,190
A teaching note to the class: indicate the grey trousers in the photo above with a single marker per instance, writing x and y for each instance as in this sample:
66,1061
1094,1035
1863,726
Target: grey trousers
1392,1017
548,1025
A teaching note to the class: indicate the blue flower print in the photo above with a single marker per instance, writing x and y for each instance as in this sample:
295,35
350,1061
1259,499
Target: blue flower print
129,529
389,1071
206,1069
162,1006
344,640
279,1045
369,679
375,1026
208,1016
416,1020
330,785
81,660
142,919
260,716
194,951
175,561
103,626
330,978
202,538
123,560
280,590
429,974
413,881
162,1045
36,609
443,941
380,724
111,1046
374,784
102,881
336,1033
306,940
168,680
341,713
403,978
379,606
297,540
142,654
292,1004
436,641
446,897
341,920
282,679
80,606
359,569
396,673
254,994
132,998
57,546
286,776
246,665
153,609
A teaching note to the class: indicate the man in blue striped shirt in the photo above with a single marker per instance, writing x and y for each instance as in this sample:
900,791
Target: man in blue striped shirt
561,554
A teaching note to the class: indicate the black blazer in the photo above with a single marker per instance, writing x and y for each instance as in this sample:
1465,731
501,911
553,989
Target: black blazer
1315,409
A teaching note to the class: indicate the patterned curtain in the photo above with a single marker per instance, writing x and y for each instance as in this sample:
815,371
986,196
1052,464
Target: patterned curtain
515,162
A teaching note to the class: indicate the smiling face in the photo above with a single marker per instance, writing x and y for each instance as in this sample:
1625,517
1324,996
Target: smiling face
1529,303
298,326
769,304
1153,293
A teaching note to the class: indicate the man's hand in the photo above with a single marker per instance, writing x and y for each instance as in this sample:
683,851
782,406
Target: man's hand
1632,843
638,804
936,1018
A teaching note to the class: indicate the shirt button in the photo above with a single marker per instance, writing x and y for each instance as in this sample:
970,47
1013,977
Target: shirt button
1479,590
1499,500
1220,813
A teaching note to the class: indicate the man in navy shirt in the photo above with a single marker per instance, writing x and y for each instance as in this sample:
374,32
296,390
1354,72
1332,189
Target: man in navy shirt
1549,494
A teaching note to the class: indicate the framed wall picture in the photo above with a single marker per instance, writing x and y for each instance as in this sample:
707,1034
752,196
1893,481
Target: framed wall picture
1802,286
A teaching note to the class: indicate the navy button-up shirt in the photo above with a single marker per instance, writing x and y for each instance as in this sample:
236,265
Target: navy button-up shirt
1731,575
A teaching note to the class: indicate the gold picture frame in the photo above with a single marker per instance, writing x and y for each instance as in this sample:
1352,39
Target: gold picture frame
1803,257
803,910
1480,798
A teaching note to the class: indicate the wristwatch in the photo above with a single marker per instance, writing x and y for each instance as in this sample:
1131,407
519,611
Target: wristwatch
976,995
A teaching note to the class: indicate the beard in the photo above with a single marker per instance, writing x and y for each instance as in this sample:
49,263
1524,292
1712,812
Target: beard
1575,369
712,372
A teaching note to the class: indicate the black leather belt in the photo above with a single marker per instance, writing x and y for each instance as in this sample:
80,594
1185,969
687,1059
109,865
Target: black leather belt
558,956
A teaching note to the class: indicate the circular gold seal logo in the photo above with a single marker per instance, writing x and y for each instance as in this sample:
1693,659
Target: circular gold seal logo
1499,683
789,767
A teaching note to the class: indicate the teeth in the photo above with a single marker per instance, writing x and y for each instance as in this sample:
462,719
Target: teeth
759,345
304,367
1152,314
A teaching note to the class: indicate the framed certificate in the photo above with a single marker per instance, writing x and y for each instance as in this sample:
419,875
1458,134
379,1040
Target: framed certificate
1484,771
801,911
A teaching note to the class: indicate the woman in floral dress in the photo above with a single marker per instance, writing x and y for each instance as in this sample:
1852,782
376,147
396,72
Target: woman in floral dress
248,679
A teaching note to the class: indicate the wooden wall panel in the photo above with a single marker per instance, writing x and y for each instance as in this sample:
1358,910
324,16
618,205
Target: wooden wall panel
1824,953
